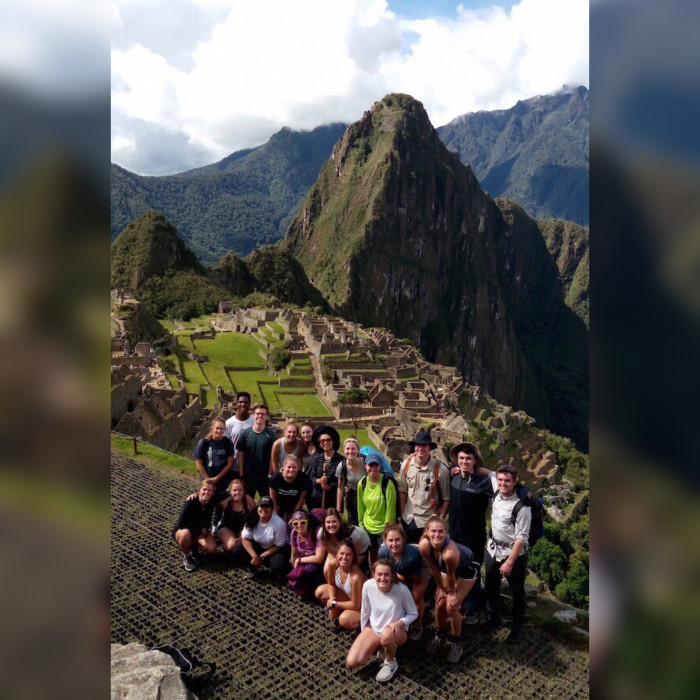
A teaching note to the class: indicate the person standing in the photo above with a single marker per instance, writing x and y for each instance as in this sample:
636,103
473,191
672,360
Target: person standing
324,467
288,444
424,486
306,433
349,473
506,552
237,423
254,452
214,459
376,503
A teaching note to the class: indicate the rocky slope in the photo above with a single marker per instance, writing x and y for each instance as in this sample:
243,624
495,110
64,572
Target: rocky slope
397,232
535,153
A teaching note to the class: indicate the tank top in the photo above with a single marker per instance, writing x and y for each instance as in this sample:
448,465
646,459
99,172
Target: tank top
347,586
283,453
465,568
233,519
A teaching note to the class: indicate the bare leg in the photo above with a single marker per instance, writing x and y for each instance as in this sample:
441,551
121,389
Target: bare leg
362,648
391,639
184,541
350,619
207,543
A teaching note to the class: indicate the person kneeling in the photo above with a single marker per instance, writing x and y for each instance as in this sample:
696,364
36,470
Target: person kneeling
193,529
308,554
386,615
342,594
265,539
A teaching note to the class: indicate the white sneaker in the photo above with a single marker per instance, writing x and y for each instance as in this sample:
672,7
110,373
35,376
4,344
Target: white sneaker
387,671
454,652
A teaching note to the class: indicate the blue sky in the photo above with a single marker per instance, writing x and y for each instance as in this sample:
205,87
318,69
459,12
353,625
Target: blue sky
195,80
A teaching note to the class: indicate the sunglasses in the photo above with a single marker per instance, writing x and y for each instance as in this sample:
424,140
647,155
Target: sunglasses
325,440
427,484
299,523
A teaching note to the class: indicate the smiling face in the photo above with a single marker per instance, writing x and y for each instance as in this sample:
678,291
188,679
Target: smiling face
236,490
265,513
422,452
217,429
506,484
326,442
466,463
332,524
394,542
436,534
384,577
372,472
242,407
260,418
206,491
290,433
345,557
306,433
301,526
350,450
290,469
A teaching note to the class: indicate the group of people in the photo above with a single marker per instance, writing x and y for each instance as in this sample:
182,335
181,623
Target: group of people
366,542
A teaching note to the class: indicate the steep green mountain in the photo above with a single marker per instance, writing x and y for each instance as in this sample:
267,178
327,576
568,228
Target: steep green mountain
397,232
149,256
567,242
535,153
242,202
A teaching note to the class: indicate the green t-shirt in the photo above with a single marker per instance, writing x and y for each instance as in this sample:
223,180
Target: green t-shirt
373,509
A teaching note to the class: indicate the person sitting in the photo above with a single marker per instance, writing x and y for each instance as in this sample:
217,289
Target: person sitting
234,511
386,615
265,539
349,473
288,488
288,444
308,554
452,566
410,569
376,503
193,528
334,531
324,466
342,592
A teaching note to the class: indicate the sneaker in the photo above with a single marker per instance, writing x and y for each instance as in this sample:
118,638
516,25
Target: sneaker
435,643
514,637
381,655
189,563
248,574
415,633
387,671
472,618
454,652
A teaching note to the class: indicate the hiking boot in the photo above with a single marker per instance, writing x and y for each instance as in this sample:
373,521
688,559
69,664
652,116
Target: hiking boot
387,671
454,652
472,618
415,633
515,636
189,563
435,643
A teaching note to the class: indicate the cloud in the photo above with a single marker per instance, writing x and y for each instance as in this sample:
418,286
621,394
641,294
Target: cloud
258,65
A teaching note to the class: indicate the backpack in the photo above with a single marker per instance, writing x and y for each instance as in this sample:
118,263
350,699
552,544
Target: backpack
188,665
435,503
537,513
385,480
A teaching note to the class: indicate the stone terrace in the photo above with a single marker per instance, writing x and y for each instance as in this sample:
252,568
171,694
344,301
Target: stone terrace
267,644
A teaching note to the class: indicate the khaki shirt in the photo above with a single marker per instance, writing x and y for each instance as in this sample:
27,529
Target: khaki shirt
413,481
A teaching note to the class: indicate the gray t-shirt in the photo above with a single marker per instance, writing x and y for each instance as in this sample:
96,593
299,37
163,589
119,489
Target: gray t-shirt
353,477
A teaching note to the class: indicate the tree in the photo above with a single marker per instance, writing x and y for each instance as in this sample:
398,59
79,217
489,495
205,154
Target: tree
354,398
548,561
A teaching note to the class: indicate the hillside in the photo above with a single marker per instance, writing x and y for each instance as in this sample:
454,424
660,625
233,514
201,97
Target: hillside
244,201
535,153
397,232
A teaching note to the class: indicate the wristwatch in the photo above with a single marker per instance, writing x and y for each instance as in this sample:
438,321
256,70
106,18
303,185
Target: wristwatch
333,604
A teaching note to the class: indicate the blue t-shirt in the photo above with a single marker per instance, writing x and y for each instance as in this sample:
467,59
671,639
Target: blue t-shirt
411,561
214,454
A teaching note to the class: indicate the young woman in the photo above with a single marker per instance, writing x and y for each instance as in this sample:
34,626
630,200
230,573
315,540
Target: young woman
323,467
234,511
307,557
193,526
334,531
265,539
385,617
288,488
214,458
342,592
376,503
452,566
306,433
410,569
289,444
349,473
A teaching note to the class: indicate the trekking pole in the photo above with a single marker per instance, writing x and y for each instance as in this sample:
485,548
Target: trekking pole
323,495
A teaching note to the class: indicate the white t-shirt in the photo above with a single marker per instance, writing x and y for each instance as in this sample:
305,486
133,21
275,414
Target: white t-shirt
235,427
379,609
274,532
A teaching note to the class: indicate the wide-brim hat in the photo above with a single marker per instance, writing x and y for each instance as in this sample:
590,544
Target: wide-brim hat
422,438
454,452
326,430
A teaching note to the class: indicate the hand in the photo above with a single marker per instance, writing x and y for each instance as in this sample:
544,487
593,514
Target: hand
191,497
330,602
256,561
506,568
296,562
454,470
452,602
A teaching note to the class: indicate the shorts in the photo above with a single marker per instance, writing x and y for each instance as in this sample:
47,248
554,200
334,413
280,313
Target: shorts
374,540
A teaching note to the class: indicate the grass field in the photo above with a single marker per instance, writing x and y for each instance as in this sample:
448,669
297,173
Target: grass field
295,403
232,349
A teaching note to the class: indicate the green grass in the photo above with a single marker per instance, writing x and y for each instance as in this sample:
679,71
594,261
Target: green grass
232,349
297,403
172,378
362,437
153,456
248,381
276,327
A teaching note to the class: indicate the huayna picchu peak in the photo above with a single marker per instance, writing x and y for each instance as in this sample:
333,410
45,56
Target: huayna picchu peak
397,232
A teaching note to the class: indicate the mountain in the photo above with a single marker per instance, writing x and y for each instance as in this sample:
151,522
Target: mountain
150,257
244,201
535,153
397,232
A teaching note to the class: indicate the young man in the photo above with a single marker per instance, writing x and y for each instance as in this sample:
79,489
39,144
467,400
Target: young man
506,551
254,450
238,422
424,486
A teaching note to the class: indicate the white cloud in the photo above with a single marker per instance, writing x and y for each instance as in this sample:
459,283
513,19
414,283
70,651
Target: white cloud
274,63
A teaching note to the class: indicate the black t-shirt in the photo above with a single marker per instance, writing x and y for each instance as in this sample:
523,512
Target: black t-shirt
195,517
288,493
257,448
214,455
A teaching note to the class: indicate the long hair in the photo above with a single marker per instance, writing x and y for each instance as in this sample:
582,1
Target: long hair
348,543
344,531
218,419
433,519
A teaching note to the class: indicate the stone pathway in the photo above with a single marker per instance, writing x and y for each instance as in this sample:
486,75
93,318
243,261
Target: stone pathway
267,644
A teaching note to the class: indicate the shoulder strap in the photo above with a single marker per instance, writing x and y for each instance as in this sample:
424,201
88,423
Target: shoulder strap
404,466
516,509
363,482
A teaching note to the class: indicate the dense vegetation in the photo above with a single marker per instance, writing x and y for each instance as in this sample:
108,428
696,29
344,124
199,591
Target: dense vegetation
535,153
